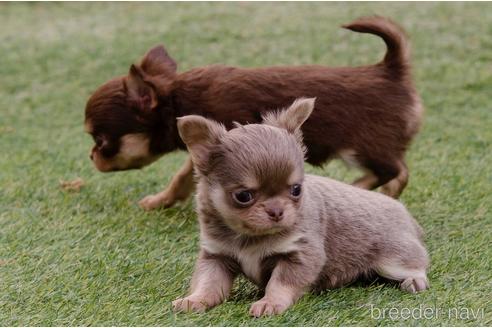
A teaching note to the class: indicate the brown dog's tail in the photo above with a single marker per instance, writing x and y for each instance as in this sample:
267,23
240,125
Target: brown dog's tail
398,54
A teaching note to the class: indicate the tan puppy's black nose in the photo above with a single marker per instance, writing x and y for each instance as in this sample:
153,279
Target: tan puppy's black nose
275,213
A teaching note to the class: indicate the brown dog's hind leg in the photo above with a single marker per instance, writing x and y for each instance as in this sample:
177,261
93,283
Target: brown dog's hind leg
368,181
180,188
391,174
395,186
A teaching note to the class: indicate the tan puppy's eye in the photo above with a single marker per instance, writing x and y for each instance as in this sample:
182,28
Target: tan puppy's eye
295,190
243,197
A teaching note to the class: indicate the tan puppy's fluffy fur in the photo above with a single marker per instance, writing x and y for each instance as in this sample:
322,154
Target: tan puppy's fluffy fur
288,232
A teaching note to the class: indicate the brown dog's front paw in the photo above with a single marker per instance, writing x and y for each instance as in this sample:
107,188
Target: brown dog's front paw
152,202
266,307
190,304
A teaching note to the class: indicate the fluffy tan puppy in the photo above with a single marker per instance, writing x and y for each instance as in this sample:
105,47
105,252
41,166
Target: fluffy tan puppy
287,231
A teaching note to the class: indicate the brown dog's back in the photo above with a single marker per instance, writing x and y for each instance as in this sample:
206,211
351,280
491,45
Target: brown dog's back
366,115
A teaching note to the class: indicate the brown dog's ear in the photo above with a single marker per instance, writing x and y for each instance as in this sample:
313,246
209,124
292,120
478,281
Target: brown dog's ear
200,135
293,117
151,77
157,61
140,90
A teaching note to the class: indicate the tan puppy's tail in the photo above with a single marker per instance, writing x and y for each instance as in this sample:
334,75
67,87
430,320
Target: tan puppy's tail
398,54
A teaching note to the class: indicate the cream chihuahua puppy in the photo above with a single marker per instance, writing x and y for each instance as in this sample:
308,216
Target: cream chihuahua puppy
288,232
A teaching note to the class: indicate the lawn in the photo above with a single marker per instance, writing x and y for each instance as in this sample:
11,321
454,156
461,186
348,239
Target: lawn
95,258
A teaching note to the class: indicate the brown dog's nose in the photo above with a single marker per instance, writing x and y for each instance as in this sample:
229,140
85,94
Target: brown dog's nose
91,156
275,213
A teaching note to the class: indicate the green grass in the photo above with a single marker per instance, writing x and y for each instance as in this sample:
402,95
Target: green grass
95,258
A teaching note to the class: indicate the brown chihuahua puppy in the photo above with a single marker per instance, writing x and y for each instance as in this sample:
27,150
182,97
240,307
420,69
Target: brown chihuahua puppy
364,115
288,232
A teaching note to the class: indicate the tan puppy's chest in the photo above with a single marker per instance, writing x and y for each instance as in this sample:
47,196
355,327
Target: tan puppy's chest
250,258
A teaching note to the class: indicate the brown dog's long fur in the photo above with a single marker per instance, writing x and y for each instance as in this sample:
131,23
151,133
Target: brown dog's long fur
364,115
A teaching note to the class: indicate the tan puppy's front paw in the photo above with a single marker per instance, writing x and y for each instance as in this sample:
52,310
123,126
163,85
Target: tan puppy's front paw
266,307
152,202
190,304
414,285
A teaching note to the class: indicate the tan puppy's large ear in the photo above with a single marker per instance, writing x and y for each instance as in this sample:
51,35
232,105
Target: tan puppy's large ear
200,135
293,117
140,90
